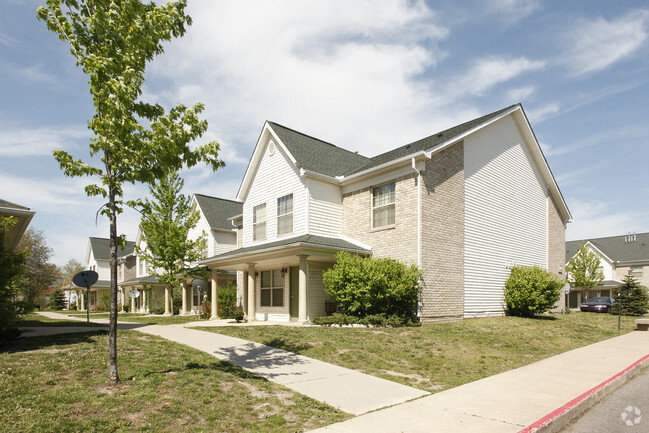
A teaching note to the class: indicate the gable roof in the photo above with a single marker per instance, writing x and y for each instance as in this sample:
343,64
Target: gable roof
617,248
218,211
101,248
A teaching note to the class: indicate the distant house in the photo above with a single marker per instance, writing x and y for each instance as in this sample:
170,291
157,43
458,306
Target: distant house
23,217
98,260
464,204
221,236
618,255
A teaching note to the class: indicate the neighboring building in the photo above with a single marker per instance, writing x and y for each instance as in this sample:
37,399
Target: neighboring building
618,255
221,236
464,204
23,217
98,260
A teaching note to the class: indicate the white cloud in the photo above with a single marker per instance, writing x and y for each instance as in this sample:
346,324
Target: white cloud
309,68
541,113
593,45
597,219
39,141
512,11
487,72
520,94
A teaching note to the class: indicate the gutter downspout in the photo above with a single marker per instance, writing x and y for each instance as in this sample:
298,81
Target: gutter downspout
414,167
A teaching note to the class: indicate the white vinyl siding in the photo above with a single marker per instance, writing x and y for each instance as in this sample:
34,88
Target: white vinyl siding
285,215
222,242
325,209
383,205
316,295
275,177
505,214
259,222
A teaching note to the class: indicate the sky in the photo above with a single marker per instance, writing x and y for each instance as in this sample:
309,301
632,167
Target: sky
367,76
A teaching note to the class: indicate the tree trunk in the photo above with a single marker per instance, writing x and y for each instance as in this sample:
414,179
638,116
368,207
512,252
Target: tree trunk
113,376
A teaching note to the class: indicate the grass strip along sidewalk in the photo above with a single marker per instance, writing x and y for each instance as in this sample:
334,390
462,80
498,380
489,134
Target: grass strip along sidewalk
441,356
59,383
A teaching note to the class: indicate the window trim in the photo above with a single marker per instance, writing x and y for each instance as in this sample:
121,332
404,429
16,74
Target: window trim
259,223
393,204
291,214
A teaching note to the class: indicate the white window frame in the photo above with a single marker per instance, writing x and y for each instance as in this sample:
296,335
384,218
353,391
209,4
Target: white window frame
385,206
286,216
272,288
636,272
258,225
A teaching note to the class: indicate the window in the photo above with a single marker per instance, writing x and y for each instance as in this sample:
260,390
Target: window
383,209
272,288
636,272
285,214
259,222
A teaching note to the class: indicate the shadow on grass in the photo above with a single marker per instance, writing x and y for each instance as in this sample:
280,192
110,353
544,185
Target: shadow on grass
37,343
221,366
289,346
543,318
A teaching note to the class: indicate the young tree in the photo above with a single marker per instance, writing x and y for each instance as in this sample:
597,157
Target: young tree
631,297
68,271
38,273
166,220
582,269
135,141
57,299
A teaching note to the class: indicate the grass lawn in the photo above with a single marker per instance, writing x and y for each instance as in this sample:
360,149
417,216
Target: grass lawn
440,356
34,319
59,384
132,317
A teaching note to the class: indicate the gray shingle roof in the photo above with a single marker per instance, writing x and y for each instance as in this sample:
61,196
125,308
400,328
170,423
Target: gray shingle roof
615,247
317,155
325,158
101,248
304,240
218,210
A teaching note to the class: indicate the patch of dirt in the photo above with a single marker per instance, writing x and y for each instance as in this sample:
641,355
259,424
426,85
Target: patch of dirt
416,378
253,390
137,418
49,351
112,389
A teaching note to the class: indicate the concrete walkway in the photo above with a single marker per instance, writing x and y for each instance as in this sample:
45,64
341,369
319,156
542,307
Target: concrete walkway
542,396
348,390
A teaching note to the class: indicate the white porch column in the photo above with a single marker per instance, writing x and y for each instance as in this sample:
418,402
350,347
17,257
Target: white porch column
167,313
132,304
302,305
78,300
251,292
215,309
144,299
183,298
83,301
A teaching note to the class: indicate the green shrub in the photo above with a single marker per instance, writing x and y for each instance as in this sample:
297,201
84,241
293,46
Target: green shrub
340,319
363,286
238,315
104,301
126,307
531,290
632,297
227,300
157,310
206,309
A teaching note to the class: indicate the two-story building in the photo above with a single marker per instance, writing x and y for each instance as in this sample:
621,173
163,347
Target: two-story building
617,256
216,226
98,260
464,204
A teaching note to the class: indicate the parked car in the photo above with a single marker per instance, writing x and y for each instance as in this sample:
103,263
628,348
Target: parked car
597,305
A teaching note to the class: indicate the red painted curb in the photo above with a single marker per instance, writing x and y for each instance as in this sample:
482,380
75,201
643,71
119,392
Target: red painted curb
574,402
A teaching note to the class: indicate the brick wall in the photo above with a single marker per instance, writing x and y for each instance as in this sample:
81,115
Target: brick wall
442,297
399,241
620,273
556,241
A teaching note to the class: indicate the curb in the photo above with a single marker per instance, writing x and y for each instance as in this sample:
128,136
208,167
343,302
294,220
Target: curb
558,419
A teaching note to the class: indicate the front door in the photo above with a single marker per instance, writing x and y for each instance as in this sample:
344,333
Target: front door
294,288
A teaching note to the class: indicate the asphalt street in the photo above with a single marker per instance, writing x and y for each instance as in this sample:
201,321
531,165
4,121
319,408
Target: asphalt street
624,410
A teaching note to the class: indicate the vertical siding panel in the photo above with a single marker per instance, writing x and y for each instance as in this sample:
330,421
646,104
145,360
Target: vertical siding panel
276,177
505,214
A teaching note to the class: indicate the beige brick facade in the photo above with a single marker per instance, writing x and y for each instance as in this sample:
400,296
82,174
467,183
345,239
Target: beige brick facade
399,241
621,271
442,298
556,241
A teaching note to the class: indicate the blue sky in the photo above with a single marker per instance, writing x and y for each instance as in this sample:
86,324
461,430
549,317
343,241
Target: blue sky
364,75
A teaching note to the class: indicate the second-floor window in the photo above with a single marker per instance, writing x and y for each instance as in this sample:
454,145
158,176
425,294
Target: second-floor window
285,214
383,207
259,222
636,272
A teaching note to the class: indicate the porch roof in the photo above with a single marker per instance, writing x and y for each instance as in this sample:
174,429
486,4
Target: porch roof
319,246
149,279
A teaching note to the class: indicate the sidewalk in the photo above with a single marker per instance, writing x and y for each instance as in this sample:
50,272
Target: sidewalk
544,395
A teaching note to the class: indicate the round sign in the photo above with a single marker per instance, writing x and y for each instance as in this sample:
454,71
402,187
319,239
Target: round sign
134,294
85,278
199,284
